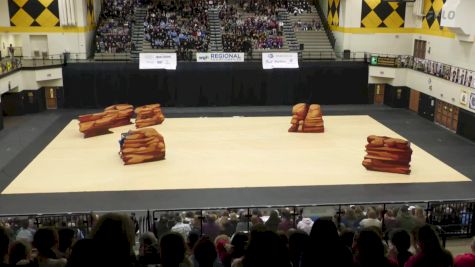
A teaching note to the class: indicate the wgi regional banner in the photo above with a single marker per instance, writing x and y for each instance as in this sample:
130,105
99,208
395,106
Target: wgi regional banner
284,60
149,61
220,57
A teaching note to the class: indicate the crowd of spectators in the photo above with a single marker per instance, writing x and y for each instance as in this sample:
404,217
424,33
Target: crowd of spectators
314,25
231,238
113,34
234,238
298,7
182,26
245,32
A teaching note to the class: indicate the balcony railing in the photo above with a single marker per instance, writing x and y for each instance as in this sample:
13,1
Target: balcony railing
451,218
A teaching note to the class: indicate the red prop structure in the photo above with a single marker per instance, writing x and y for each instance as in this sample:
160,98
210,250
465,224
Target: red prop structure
148,115
142,145
307,119
387,154
100,123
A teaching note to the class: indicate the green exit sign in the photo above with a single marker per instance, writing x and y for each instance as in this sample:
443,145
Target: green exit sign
374,60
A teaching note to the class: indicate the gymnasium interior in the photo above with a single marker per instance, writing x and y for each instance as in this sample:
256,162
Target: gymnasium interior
387,135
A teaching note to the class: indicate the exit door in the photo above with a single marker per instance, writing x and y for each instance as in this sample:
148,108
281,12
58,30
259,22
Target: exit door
447,115
414,100
379,94
51,98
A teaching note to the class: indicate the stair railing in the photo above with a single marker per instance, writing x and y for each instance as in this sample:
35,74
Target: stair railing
326,26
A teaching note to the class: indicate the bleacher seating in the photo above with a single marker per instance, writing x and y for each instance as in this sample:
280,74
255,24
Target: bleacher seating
113,40
182,28
188,27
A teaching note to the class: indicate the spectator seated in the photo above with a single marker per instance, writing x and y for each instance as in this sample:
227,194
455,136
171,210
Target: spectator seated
175,240
114,29
245,32
182,27
298,7
314,25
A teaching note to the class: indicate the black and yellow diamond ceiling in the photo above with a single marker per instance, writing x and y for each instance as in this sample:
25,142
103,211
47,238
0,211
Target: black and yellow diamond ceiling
432,14
334,12
39,13
379,14
90,12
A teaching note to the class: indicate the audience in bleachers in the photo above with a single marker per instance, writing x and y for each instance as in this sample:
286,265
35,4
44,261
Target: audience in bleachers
182,26
272,240
298,7
113,34
314,25
257,30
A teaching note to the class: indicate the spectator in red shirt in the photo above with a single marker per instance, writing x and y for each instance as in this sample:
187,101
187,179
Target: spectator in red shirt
467,259
430,251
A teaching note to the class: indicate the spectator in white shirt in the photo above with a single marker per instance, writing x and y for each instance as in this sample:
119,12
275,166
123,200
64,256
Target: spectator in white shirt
182,228
371,221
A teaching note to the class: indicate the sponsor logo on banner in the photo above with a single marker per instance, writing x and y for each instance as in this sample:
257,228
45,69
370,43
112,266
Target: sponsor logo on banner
149,61
220,57
472,101
280,61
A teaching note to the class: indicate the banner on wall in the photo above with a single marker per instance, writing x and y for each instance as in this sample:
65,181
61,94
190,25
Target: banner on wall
220,57
153,61
280,61
472,101
464,98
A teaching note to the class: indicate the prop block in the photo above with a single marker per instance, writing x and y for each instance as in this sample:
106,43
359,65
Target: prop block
96,124
148,115
387,154
143,145
125,112
307,119
100,123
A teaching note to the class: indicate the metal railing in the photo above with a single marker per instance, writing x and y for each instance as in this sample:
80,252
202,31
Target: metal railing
441,70
325,24
9,65
450,218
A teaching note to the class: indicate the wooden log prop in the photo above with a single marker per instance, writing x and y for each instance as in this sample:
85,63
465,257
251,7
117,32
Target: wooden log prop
307,119
100,123
125,112
142,145
388,154
96,124
148,115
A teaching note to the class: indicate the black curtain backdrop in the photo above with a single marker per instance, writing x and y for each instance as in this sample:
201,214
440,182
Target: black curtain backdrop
1,116
95,85
13,104
34,101
466,127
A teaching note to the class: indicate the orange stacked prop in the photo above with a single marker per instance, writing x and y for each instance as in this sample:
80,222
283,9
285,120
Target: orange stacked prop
387,154
307,119
100,123
141,146
96,124
125,112
148,115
